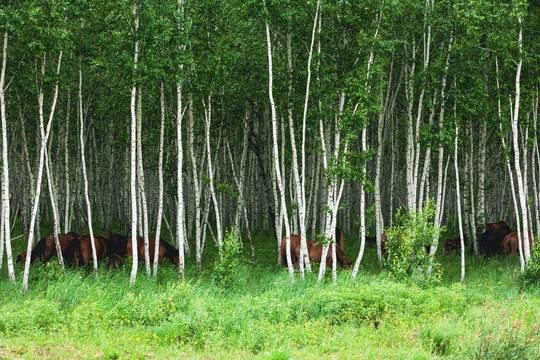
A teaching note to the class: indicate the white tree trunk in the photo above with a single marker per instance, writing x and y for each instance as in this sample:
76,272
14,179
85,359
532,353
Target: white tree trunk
133,157
459,207
196,189
283,206
141,184
6,235
85,178
519,177
44,137
55,212
160,177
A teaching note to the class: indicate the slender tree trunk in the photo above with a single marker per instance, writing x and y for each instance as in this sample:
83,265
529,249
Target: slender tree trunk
160,177
459,207
85,178
6,235
55,212
44,137
283,205
520,181
141,184
133,154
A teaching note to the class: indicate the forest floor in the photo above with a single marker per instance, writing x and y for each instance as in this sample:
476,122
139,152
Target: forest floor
261,314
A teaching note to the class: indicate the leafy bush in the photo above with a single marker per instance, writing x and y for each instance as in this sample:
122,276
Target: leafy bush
229,259
408,243
531,275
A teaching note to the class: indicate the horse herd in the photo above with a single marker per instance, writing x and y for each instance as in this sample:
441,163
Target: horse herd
497,239
77,250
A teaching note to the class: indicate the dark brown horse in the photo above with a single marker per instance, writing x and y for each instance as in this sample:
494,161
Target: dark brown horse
450,245
314,251
82,249
500,225
166,250
46,248
510,243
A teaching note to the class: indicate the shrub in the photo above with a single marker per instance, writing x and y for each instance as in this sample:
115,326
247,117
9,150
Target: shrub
407,246
229,259
531,275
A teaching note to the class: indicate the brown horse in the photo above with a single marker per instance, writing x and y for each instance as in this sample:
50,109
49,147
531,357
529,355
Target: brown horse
46,248
501,225
116,244
166,250
510,243
450,245
314,251
82,249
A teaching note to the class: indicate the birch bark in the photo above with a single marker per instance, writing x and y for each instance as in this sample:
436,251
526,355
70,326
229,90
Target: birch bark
6,235
85,178
133,153
160,176
43,144
283,205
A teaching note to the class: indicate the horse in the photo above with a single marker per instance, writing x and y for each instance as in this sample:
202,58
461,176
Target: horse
501,225
114,261
510,243
46,248
450,245
116,244
491,242
116,248
82,249
166,250
315,250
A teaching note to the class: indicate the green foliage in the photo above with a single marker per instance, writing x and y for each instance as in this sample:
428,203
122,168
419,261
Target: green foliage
226,264
531,275
408,256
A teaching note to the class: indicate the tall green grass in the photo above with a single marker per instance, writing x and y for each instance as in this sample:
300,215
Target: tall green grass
262,314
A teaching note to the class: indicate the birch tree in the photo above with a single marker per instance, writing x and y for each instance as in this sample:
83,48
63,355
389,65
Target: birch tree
6,235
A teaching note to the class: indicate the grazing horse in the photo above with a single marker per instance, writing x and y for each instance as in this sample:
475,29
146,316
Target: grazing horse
510,243
114,261
454,244
46,248
82,249
166,250
501,225
491,242
314,251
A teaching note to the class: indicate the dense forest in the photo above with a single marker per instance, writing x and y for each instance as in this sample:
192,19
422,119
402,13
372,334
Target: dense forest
194,118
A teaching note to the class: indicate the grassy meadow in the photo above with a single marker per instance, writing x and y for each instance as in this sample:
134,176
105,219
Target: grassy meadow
262,315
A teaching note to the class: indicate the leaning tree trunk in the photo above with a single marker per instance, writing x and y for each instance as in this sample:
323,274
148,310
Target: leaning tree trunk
55,213
44,138
85,178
